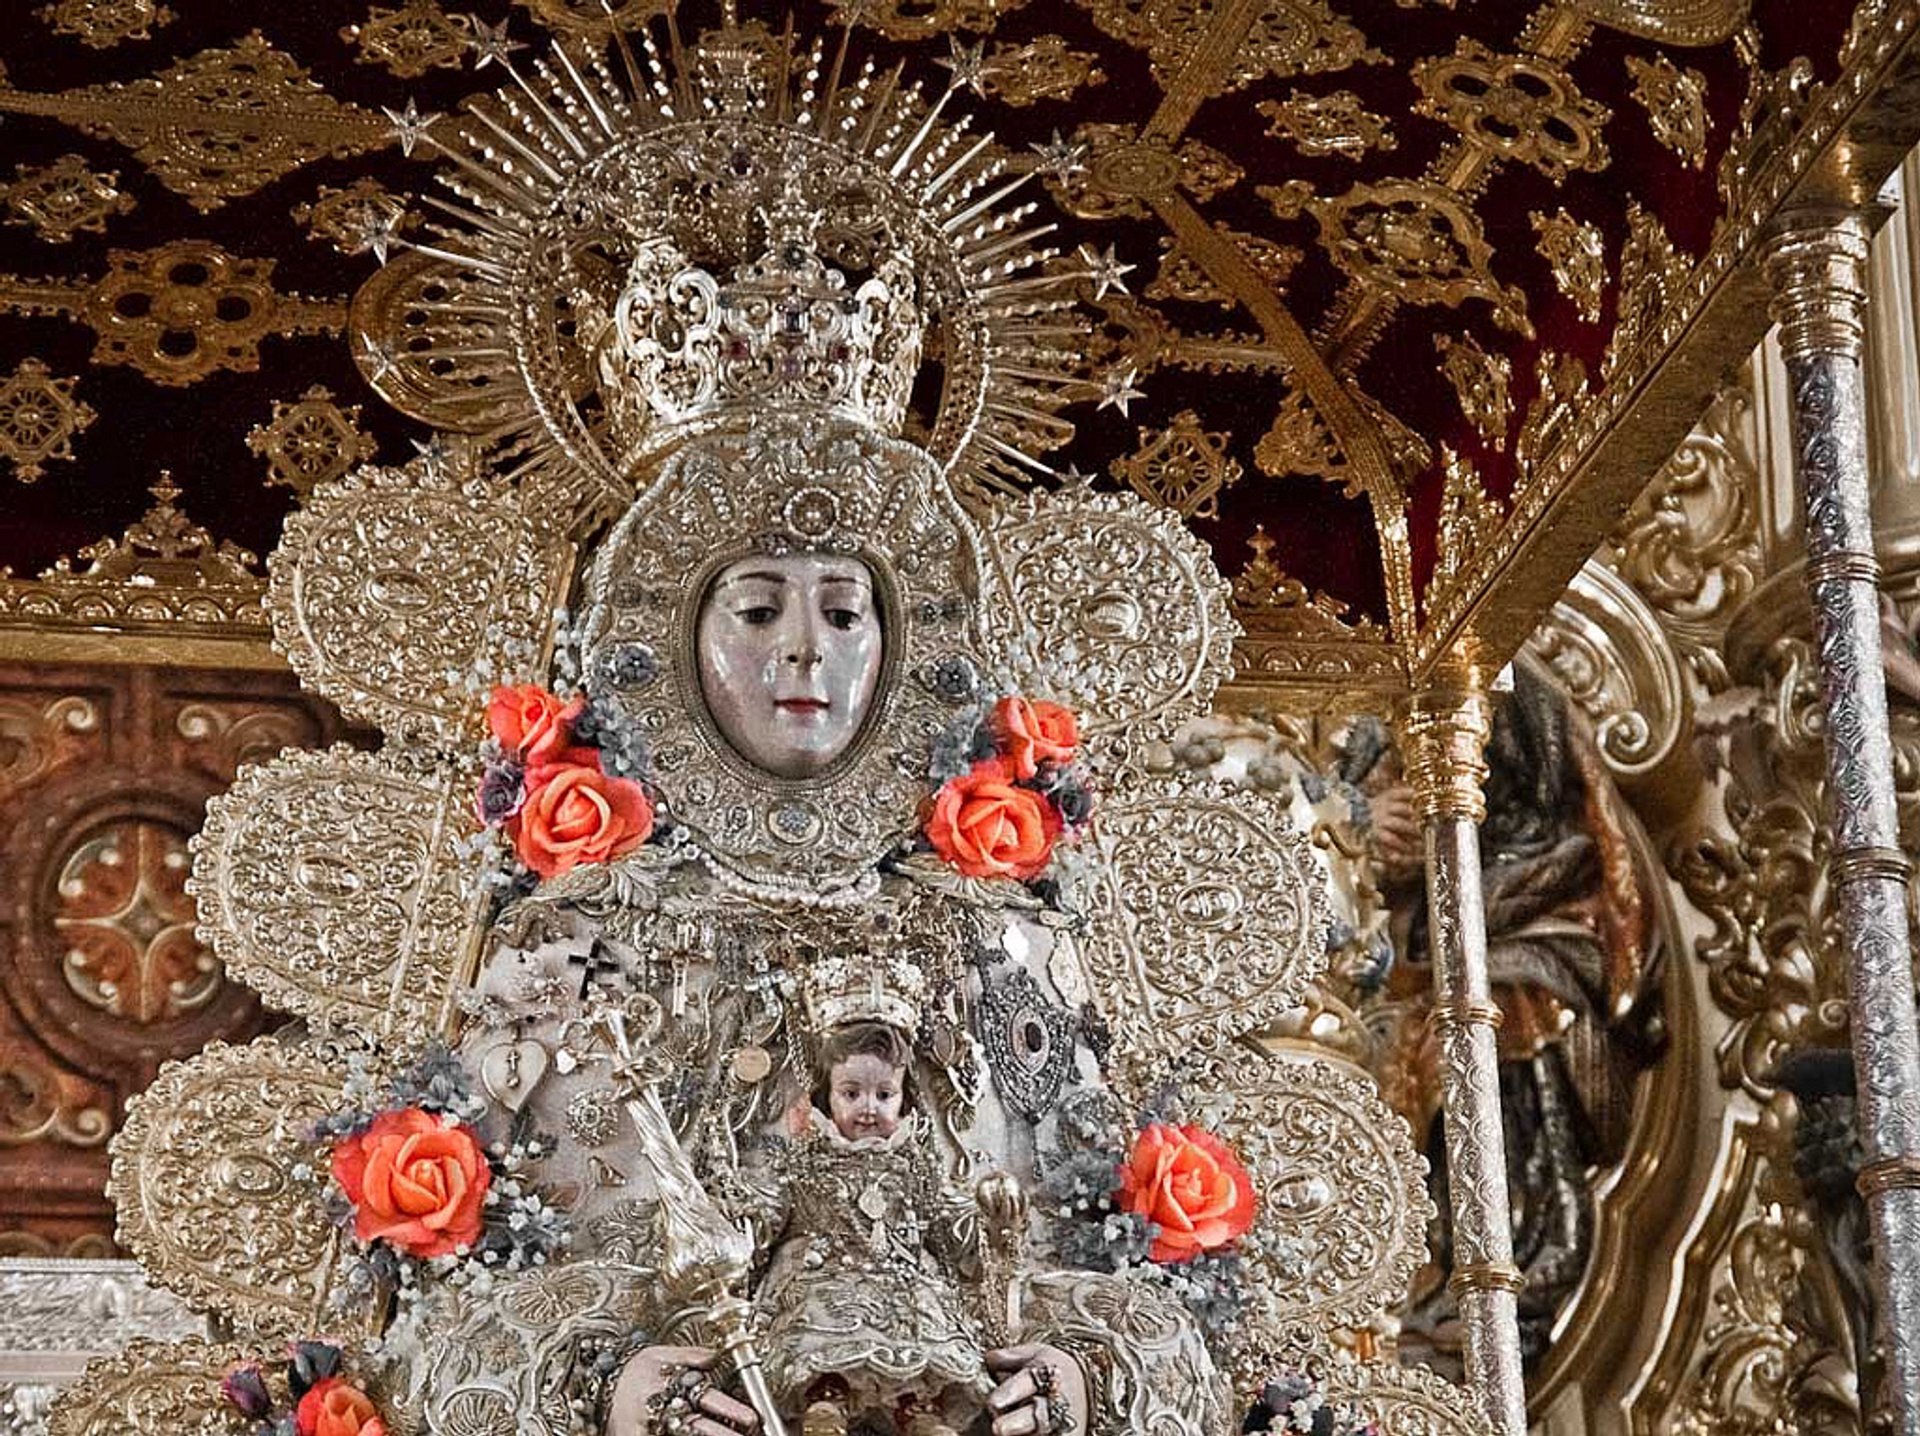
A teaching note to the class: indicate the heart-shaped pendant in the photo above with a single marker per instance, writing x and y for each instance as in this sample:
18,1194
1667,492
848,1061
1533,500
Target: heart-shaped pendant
511,1070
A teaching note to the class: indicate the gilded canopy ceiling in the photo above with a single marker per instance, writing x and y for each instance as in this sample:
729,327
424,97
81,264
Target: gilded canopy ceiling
1383,293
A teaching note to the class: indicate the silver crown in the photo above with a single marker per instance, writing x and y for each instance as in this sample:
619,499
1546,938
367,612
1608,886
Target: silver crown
784,330
845,988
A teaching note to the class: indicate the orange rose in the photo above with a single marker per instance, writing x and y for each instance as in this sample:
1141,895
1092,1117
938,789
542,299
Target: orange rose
531,723
987,826
415,1183
574,814
1031,733
1187,1183
337,1408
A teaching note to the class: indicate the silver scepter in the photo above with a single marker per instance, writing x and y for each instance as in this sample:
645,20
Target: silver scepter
705,1259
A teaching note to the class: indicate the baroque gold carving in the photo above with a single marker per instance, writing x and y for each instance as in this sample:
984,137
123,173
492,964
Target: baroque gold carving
180,312
1561,386
341,887
1691,544
1322,125
64,198
38,418
1183,466
1131,592
411,39
163,572
310,440
1468,518
1282,38
1105,171
1609,653
153,1388
208,1188
1298,442
595,19
1771,114
1043,69
1768,1355
400,593
1676,104
1517,107
1576,253
218,125
1207,915
1277,606
127,925
1774,960
1417,240
1479,381
915,19
1181,276
99,24
1653,276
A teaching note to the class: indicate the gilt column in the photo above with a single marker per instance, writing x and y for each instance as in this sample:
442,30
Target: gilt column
1817,268
1446,732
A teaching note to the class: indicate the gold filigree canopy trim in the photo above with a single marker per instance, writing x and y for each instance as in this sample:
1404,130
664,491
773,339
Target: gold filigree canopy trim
649,217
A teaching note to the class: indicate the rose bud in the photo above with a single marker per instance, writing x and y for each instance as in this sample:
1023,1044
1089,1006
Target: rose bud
246,1388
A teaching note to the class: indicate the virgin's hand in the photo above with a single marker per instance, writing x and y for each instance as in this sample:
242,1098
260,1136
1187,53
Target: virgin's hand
1018,1404
648,1375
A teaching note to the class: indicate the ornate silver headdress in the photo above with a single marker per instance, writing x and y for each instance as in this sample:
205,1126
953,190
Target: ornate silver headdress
786,330
644,235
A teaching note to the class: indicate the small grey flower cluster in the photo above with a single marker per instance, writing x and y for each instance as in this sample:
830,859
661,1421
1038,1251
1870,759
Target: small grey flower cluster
624,752
1293,1402
965,741
434,1082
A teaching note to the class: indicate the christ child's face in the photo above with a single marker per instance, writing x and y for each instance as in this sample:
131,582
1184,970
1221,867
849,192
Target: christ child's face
864,1095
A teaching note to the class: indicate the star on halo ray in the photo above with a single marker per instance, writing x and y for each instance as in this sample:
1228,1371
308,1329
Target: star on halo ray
491,43
1117,389
1105,270
969,65
410,125
1063,159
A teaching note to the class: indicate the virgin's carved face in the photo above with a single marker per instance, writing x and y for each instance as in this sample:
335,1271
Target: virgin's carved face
790,652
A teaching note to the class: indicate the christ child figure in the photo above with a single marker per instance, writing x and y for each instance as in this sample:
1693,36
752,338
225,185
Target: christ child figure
861,1307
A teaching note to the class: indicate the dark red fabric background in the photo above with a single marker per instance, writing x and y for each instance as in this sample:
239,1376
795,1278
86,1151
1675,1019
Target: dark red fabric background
1323,537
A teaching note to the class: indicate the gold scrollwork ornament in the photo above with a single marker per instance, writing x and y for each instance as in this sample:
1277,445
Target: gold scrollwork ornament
213,1188
1128,594
1207,915
342,887
1342,1223
1518,107
400,593
153,1388
1403,1400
